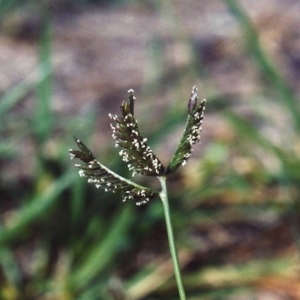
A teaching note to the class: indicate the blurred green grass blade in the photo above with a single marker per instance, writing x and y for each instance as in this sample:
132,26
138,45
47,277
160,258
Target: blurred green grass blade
43,116
8,5
43,81
97,291
290,164
240,275
35,209
11,98
78,199
103,253
148,279
246,130
10,267
7,150
15,94
153,72
286,96
249,133
224,293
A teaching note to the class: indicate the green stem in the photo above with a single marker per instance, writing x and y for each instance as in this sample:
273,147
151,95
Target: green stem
164,197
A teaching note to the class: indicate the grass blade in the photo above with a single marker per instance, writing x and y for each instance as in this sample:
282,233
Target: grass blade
286,95
35,209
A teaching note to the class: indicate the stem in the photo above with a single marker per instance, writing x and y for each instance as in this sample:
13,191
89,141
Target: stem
164,197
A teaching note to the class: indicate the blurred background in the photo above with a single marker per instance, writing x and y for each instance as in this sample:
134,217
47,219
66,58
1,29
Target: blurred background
66,64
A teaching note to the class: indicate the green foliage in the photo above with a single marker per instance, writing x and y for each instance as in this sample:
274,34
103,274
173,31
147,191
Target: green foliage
235,208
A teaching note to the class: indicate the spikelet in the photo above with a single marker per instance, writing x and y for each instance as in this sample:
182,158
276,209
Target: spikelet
135,151
191,134
101,176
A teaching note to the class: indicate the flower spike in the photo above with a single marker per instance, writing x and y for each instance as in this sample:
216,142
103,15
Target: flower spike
140,158
191,134
101,176
138,155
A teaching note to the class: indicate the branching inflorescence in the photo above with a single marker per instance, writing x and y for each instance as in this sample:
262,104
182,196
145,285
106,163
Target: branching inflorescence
136,152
